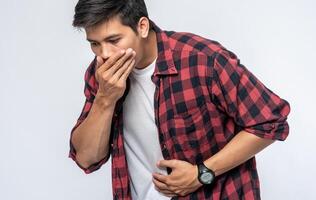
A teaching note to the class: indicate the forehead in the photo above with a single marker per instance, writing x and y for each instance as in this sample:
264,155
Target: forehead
107,28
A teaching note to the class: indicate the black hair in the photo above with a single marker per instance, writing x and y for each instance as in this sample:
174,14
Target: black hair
90,13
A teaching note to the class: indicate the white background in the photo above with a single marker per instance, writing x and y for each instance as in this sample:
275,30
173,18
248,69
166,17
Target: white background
42,63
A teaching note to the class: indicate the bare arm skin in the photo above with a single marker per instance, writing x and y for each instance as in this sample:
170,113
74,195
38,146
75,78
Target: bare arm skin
241,148
91,137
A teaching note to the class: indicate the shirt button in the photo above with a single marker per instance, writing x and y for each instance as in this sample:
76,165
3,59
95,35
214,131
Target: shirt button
164,148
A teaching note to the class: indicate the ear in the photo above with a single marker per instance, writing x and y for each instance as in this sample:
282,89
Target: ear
143,27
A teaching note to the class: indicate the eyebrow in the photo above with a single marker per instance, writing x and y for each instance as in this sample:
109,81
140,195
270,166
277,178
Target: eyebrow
107,38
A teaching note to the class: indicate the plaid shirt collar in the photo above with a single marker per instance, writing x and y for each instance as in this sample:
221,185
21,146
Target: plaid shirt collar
165,62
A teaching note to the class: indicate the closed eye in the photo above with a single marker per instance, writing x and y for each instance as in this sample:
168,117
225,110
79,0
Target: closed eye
93,44
114,41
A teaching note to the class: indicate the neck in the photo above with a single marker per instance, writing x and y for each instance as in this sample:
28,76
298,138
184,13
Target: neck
150,51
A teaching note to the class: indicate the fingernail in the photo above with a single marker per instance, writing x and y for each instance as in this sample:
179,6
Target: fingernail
129,50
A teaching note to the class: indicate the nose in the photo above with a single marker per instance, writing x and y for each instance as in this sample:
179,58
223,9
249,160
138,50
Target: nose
105,52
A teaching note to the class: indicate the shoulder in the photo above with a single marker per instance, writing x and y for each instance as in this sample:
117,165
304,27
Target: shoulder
198,49
185,41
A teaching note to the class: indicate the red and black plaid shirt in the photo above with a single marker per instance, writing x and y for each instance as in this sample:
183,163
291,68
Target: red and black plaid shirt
203,98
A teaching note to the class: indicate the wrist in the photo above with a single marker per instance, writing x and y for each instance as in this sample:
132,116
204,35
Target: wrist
104,102
196,175
211,164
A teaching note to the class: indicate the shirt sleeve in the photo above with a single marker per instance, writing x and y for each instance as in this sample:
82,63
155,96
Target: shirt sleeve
89,94
255,108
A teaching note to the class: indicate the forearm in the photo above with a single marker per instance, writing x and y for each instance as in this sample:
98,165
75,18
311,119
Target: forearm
91,137
241,148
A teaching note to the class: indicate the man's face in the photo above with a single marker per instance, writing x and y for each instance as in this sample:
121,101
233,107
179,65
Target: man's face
112,36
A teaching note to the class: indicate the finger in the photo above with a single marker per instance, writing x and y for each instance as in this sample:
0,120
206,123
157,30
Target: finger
163,188
100,61
120,62
167,163
120,70
160,177
166,193
127,71
170,195
112,60
160,185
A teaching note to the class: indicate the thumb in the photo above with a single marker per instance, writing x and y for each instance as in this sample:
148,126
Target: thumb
167,163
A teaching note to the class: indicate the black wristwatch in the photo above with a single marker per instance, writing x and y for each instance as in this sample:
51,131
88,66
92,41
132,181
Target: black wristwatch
205,175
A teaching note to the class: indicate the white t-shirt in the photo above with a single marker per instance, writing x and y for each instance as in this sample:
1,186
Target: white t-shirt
141,141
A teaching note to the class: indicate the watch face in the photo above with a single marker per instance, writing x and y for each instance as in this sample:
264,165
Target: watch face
207,177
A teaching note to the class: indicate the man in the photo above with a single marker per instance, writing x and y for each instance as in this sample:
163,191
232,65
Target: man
178,113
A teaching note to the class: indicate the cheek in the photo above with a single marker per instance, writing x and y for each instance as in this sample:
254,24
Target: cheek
129,42
105,50
95,51
124,46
